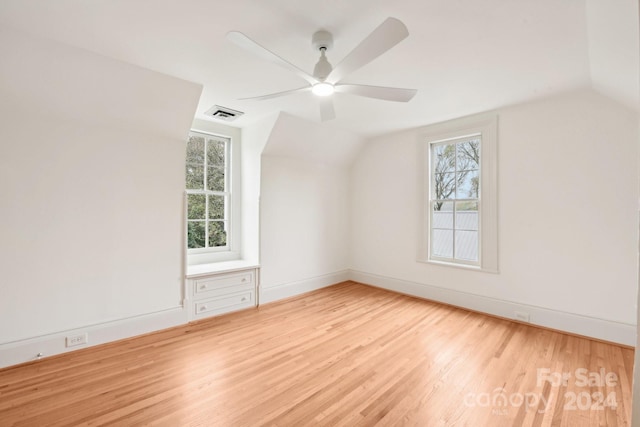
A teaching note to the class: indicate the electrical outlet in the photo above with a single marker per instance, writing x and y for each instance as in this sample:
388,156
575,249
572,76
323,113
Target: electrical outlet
522,316
75,340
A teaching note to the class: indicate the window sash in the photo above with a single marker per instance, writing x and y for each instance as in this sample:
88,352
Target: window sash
455,232
208,193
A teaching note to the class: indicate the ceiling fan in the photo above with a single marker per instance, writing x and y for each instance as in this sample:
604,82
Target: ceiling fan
326,78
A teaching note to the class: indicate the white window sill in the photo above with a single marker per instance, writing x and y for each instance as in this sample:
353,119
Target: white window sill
460,266
219,267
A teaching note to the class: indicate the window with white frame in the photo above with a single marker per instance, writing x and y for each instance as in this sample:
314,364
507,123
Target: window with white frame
460,210
455,200
208,189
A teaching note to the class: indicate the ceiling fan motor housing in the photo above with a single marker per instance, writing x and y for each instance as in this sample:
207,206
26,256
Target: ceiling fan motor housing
322,40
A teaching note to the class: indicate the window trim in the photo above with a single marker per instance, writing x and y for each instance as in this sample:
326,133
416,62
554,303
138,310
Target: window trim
231,250
485,125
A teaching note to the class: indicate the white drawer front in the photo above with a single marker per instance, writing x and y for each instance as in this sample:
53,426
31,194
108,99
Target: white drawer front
223,283
225,304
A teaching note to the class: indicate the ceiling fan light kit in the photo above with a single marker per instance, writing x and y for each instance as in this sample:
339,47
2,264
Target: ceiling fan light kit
323,89
326,78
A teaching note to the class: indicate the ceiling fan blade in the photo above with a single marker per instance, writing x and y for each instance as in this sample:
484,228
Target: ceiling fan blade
326,108
277,94
387,35
246,43
379,92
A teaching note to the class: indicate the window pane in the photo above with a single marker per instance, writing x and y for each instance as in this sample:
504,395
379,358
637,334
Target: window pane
195,150
217,234
215,179
442,243
467,216
215,153
468,154
468,184
195,176
195,234
442,216
444,185
216,207
196,206
467,245
444,158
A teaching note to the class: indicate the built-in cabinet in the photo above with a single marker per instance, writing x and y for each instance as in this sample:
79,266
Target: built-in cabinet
216,289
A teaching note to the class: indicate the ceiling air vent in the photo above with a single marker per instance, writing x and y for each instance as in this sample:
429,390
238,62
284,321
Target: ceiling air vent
223,113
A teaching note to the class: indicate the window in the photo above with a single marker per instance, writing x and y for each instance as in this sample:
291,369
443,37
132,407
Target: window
460,210
208,193
455,184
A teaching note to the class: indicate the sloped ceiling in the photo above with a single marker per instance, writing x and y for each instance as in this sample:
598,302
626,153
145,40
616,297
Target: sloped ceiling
464,56
612,31
296,138
83,87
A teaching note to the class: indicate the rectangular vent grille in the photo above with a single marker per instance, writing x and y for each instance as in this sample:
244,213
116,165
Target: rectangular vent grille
223,113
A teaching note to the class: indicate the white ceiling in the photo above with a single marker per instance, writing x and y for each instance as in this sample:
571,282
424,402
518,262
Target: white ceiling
463,56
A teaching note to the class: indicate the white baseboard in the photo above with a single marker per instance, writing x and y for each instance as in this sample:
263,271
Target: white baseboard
622,333
286,290
27,350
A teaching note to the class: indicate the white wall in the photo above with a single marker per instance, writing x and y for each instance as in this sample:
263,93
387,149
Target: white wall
568,191
635,409
254,139
91,183
304,207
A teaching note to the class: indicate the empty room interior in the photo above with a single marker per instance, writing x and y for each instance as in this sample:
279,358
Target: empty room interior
293,213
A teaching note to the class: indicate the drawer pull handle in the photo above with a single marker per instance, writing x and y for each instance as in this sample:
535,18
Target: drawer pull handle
203,287
243,299
244,279
203,307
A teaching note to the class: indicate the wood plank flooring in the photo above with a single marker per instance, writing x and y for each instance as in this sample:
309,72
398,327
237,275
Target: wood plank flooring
347,355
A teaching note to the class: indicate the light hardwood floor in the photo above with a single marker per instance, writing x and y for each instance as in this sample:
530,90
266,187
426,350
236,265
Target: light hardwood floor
345,355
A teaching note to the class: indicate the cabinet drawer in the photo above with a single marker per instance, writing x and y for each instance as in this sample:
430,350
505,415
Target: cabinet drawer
222,283
225,304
